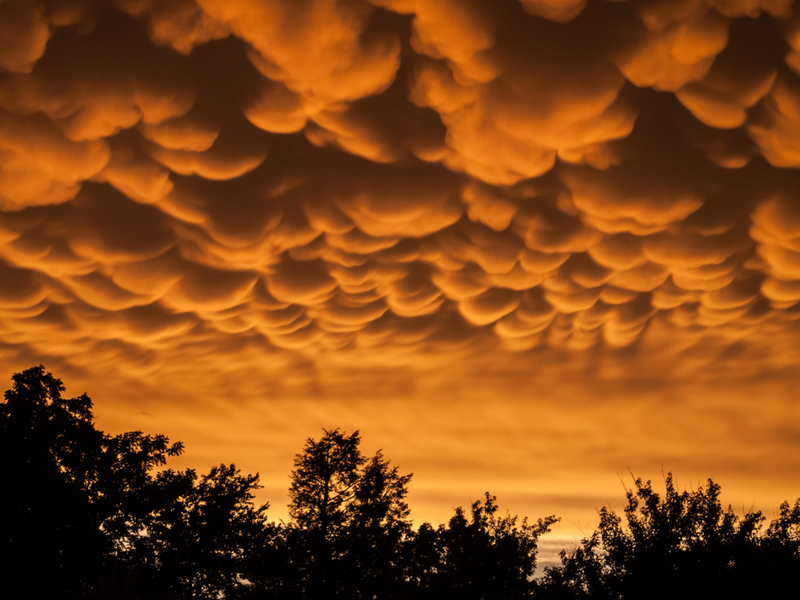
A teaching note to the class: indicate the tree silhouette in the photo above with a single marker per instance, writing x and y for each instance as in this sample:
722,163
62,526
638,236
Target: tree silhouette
378,526
350,515
682,545
50,451
324,481
204,535
481,556
94,516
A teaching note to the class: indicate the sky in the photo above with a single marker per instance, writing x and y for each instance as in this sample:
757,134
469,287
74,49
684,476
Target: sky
529,247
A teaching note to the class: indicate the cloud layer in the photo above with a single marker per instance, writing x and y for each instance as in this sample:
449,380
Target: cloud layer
587,189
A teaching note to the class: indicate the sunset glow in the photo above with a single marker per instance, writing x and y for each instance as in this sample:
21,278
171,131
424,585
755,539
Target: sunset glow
523,246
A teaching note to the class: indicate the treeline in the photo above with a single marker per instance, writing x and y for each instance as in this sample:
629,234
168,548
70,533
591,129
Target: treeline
84,514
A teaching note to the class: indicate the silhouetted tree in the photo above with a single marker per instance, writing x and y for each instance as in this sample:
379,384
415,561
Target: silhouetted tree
202,537
682,545
378,525
779,555
482,556
350,517
129,497
97,520
324,481
49,451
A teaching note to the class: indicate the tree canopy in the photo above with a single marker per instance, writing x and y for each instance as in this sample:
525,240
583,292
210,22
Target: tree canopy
94,512
684,544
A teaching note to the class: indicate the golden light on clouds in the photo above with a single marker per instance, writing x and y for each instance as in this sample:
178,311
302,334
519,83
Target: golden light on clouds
522,246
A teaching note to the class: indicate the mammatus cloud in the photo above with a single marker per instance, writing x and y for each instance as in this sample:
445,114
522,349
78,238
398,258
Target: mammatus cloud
542,174
195,190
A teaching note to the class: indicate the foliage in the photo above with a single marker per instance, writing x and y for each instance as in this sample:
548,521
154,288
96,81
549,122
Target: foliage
92,511
324,482
482,556
49,451
682,545
350,516
203,536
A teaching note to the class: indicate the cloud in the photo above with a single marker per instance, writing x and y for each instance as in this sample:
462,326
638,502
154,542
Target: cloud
555,10
40,165
179,24
25,31
319,52
777,134
548,172
443,201
508,118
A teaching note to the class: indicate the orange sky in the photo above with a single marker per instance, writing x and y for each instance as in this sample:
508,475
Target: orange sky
523,246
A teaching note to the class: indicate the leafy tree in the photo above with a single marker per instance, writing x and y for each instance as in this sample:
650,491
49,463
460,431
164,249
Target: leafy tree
350,516
481,556
777,559
124,491
784,531
92,512
324,481
49,450
202,538
378,526
682,545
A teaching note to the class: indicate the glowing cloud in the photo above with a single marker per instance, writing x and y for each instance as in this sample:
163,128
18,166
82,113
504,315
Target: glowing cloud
409,202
